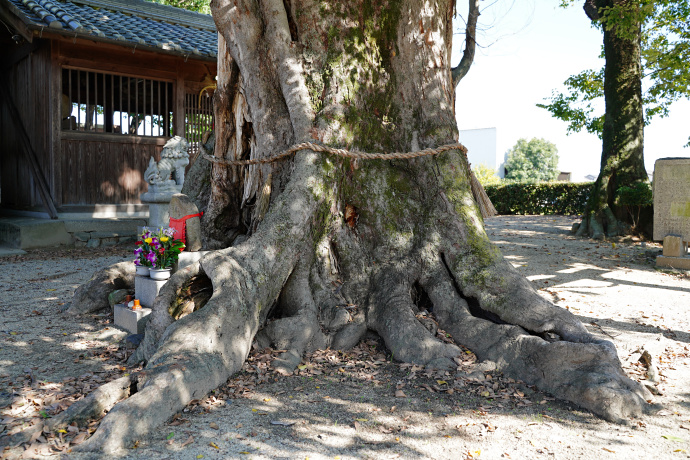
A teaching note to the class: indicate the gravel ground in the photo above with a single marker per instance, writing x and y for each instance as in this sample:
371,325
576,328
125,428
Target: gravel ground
360,404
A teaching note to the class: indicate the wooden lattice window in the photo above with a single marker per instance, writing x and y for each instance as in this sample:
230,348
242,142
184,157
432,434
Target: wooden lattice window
198,113
109,103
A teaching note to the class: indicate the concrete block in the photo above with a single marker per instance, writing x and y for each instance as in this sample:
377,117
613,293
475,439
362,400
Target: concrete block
133,321
188,258
28,233
120,226
680,263
102,235
673,246
147,289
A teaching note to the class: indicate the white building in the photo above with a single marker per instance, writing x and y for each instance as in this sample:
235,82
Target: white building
481,149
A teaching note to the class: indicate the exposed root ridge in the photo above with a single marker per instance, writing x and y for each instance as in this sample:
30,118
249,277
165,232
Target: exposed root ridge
95,404
391,315
588,374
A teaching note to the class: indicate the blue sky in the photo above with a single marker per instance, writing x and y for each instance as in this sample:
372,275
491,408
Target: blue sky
528,51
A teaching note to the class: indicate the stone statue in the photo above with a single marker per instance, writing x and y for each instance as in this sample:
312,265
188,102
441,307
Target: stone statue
168,174
165,179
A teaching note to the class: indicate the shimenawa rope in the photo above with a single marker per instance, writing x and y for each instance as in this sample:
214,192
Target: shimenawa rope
485,206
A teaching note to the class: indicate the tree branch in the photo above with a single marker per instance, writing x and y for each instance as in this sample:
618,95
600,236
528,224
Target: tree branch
459,71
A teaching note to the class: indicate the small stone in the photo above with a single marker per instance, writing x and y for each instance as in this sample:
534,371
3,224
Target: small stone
82,236
107,242
181,206
93,243
117,297
133,340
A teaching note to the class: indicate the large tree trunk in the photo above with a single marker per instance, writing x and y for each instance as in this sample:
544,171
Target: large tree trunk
384,238
622,158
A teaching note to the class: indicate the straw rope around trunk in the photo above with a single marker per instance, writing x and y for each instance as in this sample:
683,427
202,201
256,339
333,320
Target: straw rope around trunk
483,201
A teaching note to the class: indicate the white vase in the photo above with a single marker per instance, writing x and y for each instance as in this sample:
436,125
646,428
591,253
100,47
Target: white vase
159,274
142,270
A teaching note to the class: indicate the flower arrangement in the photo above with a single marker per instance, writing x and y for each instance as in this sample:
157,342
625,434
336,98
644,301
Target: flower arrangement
157,250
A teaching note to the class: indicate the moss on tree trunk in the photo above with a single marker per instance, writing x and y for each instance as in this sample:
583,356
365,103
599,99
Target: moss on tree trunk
622,159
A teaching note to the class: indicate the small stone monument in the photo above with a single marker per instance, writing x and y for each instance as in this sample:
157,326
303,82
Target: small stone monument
165,179
672,211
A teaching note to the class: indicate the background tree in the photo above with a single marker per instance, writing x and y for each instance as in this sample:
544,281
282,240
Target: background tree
643,41
200,6
325,247
534,160
486,175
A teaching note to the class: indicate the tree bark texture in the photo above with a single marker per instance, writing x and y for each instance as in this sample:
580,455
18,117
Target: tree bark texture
622,158
340,246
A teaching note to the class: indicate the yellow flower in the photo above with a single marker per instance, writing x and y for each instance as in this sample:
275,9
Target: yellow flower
148,240
164,239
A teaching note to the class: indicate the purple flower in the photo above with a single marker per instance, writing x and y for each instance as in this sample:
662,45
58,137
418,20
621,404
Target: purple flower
151,257
138,251
137,263
169,232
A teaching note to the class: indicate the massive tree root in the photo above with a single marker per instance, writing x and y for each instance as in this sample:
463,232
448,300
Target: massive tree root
345,246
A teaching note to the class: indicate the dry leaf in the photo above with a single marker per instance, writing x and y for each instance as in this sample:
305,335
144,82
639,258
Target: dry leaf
189,440
609,450
400,394
356,426
213,425
78,439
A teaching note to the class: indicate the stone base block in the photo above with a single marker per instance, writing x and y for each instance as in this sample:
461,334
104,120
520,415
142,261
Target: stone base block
188,258
147,289
673,246
681,263
133,321
159,215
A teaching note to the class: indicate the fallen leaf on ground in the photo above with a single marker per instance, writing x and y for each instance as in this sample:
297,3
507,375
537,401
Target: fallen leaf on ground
213,425
672,438
188,441
399,394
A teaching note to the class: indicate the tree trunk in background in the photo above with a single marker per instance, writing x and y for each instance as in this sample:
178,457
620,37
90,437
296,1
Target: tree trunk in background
622,158
402,239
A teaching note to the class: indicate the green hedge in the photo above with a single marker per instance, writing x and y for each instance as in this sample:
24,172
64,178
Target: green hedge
540,198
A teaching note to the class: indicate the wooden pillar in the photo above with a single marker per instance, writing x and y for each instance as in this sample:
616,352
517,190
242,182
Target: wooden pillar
55,123
178,114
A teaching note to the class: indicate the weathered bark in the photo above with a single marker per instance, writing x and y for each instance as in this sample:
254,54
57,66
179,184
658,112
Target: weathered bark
373,76
622,158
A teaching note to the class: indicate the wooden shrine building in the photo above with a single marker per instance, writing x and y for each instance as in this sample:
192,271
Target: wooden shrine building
90,89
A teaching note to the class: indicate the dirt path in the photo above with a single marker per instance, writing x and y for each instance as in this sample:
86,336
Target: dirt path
345,405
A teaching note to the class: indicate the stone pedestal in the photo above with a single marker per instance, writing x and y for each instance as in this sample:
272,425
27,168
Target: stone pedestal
188,258
147,289
158,199
133,321
679,263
